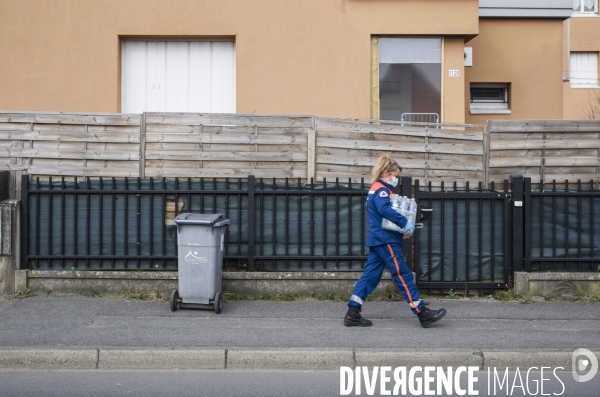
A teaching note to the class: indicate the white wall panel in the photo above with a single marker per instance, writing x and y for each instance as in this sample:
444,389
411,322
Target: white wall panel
218,87
133,84
151,83
200,88
229,82
184,76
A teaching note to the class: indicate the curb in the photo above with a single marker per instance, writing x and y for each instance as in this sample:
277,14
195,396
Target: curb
277,358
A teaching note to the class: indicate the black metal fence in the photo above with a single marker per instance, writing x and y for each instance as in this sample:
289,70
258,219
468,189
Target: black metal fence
472,239
4,185
465,239
113,223
560,230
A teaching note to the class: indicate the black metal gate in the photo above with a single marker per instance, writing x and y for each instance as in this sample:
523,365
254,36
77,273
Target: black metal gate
556,226
464,242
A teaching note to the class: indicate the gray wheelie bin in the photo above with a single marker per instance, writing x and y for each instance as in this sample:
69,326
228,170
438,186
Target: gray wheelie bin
200,239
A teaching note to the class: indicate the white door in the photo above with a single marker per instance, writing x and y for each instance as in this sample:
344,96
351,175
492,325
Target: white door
178,76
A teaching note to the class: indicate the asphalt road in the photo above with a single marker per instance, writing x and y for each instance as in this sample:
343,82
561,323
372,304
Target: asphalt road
232,383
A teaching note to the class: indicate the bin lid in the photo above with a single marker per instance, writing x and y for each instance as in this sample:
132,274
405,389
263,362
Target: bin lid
201,219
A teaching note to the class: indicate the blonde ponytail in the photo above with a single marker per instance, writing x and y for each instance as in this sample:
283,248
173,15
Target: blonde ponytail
384,163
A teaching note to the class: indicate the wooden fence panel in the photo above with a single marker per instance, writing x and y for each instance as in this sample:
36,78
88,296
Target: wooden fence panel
213,145
62,144
545,150
239,120
235,145
347,149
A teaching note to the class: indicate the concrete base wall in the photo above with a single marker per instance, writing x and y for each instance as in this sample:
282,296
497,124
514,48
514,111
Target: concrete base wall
541,284
7,277
252,284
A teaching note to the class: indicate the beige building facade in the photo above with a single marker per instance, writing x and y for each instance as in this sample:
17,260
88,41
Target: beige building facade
524,56
582,48
340,58
291,57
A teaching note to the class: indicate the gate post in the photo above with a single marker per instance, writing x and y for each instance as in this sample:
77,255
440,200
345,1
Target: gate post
527,224
408,243
250,223
24,222
517,222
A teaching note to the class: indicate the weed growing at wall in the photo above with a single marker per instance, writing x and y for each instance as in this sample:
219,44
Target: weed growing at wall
505,296
144,296
572,292
23,293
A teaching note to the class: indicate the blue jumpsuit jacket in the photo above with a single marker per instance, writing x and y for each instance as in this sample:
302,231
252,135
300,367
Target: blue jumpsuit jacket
385,250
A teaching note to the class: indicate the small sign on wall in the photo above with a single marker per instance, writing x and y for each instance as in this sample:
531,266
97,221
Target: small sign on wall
468,56
454,73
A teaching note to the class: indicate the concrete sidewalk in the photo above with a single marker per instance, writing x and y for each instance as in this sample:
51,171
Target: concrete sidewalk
114,333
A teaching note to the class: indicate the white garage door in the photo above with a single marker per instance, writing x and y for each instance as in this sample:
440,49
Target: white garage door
178,76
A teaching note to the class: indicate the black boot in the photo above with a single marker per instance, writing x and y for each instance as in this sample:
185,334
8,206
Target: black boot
353,318
428,317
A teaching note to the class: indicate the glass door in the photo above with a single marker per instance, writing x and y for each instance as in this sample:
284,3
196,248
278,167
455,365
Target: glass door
409,78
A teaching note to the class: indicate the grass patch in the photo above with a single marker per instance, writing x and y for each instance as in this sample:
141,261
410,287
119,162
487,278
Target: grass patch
280,297
571,292
233,297
144,296
551,297
391,294
335,297
526,299
505,296
94,293
23,293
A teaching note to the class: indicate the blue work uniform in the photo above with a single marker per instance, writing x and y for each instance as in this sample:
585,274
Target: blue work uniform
385,249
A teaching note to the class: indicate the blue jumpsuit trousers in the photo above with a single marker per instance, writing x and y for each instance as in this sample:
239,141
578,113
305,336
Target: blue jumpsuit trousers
390,256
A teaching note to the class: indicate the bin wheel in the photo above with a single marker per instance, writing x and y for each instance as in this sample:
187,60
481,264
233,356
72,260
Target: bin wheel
218,303
174,300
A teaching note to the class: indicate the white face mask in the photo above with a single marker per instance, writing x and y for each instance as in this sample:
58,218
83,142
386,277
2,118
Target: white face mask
394,181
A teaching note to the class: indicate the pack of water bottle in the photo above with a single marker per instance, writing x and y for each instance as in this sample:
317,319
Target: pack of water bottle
406,207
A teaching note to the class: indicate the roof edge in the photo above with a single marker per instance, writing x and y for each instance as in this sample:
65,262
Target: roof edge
542,9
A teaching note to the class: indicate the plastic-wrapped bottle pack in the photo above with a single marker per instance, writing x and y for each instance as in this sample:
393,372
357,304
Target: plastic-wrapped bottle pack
405,207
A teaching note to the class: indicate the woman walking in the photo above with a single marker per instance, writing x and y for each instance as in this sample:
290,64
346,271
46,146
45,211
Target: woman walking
385,250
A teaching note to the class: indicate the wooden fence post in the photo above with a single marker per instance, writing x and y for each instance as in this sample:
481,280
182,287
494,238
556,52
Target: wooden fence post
15,174
311,153
142,159
543,164
375,78
487,130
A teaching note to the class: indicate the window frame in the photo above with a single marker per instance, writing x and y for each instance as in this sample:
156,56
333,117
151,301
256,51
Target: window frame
596,81
490,106
385,52
124,96
584,13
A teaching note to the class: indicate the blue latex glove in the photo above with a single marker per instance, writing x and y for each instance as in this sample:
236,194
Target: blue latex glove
409,228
